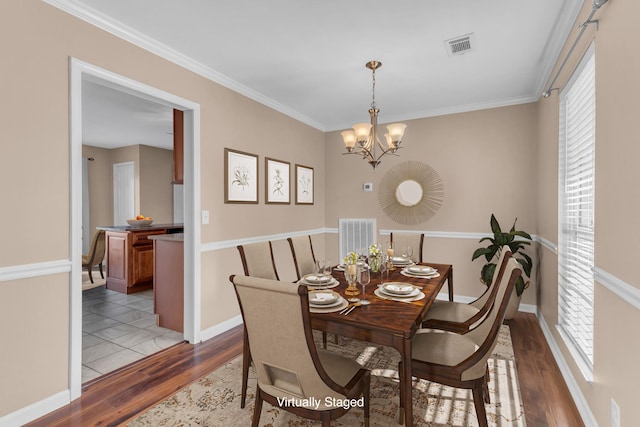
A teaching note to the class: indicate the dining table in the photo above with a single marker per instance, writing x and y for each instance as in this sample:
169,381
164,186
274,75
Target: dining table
386,320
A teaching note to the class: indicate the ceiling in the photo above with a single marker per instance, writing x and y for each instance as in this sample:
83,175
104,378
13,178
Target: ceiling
307,58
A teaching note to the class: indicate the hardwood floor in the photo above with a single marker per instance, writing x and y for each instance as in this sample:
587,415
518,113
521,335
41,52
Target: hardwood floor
115,398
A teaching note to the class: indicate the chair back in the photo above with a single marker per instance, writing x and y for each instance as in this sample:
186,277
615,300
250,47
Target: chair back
483,303
403,240
96,248
485,334
257,260
303,256
276,317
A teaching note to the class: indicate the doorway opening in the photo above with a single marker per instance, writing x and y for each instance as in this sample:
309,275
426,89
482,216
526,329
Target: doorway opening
84,72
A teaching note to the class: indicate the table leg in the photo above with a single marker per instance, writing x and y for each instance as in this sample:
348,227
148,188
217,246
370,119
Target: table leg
405,382
450,283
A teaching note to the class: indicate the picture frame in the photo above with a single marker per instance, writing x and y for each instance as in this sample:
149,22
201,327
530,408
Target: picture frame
277,187
240,177
304,185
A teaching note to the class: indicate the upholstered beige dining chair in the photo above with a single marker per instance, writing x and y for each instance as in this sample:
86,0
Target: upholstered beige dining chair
460,317
304,261
288,365
257,261
459,360
303,257
96,254
404,240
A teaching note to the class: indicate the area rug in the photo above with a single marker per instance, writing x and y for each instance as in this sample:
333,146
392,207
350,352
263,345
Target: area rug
214,400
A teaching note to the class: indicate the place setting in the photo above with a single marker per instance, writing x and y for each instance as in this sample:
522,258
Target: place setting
420,271
399,291
326,301
321,279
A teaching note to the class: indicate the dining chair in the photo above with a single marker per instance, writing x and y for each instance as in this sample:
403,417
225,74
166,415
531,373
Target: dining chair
303,257
461,317
459,360
96,254
289,367
257,261
304,260
403,240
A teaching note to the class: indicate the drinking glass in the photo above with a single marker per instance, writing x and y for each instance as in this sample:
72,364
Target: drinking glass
364,277
320,266
410,252
384,271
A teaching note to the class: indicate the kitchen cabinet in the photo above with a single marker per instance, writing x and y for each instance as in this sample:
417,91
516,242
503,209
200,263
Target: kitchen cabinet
129,256
168,280
178,147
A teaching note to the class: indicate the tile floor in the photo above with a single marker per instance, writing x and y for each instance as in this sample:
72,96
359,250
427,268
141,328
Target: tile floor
118,329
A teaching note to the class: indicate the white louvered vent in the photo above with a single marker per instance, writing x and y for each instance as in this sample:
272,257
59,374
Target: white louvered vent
460,45
356,233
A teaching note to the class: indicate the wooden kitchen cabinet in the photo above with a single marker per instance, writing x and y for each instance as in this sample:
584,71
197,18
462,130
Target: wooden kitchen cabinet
129,258
168,280
178,147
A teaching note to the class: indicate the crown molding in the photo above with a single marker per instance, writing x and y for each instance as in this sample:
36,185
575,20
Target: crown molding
127,33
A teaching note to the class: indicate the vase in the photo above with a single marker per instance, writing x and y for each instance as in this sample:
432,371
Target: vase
374,263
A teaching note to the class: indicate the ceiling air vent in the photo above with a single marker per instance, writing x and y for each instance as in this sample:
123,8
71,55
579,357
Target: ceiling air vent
460,45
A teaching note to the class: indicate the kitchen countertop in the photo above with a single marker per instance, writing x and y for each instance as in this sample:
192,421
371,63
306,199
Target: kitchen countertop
139,228
173,237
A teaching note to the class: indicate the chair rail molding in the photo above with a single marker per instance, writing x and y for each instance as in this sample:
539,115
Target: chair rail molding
225,244
629,293
25,271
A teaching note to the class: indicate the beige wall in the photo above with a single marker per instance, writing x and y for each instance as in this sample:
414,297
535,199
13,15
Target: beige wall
37,41
156,189
486,160
501,161
617,240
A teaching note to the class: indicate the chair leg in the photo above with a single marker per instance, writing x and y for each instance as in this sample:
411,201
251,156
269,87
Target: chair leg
485,386
324,340
90,276
246,361
257,408
101,273
401,411
366,393
478,402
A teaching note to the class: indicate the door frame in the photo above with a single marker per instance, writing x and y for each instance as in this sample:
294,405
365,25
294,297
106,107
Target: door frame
79,71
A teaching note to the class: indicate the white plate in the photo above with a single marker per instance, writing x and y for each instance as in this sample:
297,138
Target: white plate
317,279
317,286
406,273
336,303
414,292
397,288
422,270
322,298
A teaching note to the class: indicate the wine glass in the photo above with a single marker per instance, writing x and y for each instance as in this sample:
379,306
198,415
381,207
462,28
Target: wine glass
320,266
327,268
383,269
364,277
410,253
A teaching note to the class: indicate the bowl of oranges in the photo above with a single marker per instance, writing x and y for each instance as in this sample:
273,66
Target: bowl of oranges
140,221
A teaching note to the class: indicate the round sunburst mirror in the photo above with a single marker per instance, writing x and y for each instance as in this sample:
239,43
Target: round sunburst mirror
411,192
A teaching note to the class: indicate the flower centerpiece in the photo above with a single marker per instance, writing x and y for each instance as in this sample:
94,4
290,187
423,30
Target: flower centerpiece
375,257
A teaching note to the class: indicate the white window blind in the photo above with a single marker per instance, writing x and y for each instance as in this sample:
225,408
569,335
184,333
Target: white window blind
576,216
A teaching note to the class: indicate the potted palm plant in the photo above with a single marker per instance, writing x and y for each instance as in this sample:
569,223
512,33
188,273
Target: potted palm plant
517,240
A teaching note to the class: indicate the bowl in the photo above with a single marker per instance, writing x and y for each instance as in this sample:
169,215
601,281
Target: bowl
139,222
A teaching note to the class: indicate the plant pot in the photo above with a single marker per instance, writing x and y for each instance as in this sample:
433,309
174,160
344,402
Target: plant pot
513,306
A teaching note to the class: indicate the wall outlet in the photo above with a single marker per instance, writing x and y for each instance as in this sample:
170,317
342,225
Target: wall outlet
615,414
205,217
367,186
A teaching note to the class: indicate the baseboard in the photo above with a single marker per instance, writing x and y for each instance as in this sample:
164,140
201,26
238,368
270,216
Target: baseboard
581,403
221,328
36,410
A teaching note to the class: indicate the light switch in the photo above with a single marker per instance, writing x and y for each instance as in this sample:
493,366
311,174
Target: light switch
205,217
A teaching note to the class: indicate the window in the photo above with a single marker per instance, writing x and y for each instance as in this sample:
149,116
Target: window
576,213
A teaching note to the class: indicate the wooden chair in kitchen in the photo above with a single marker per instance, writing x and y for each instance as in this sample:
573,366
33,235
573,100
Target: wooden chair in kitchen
96,254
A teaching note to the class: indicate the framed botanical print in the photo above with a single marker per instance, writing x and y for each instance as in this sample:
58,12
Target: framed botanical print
240,177
304,185
277,182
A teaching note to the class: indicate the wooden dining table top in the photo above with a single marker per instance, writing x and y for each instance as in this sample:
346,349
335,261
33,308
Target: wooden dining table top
385,315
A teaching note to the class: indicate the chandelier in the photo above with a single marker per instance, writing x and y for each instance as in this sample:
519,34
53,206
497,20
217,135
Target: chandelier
363,139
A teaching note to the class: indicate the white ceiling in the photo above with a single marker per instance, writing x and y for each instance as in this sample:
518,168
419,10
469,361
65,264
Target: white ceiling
306,58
